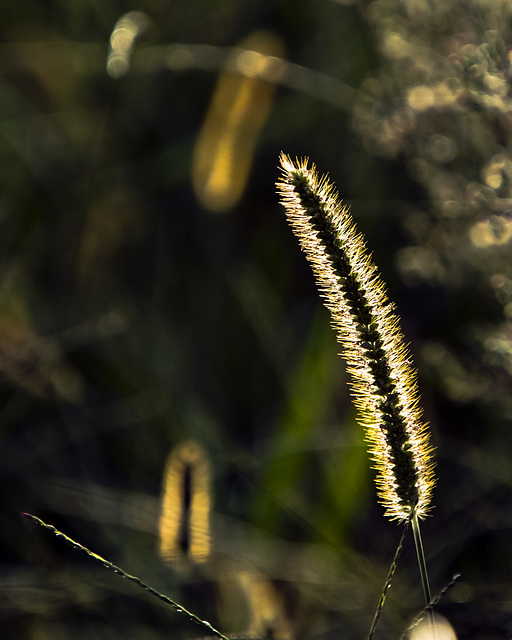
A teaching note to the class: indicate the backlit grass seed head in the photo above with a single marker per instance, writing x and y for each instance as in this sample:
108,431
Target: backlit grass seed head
184,525
383,381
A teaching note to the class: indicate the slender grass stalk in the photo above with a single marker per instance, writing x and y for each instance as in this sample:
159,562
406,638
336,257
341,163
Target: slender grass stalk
109,565
421,560
383,380
423,570
428,608
389,579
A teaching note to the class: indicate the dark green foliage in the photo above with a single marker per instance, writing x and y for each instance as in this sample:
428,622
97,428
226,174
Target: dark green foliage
131,318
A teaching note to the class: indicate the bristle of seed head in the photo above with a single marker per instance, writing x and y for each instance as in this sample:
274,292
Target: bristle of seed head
383,381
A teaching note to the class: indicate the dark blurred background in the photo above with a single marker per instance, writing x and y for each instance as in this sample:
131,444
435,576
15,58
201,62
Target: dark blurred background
161,334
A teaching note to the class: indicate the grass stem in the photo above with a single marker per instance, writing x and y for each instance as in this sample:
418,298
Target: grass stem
109,565
423,571
387,584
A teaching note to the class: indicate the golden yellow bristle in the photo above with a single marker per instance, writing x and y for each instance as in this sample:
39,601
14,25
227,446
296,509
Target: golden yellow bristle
383,381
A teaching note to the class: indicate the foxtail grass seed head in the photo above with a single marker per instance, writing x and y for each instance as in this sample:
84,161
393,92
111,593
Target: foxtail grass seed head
184,525
383,381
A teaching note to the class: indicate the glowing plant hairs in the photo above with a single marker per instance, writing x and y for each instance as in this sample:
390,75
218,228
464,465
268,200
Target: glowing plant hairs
382,379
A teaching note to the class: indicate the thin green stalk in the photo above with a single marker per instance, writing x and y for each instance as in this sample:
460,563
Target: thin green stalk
428,608
387,584
423,570
109,565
